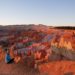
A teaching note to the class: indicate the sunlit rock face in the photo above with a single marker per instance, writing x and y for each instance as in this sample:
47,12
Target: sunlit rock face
64,48
64,45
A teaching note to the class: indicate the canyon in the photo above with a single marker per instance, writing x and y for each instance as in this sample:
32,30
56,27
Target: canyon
50,50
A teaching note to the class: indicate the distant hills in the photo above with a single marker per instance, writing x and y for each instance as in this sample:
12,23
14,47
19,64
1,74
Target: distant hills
33,26
66,27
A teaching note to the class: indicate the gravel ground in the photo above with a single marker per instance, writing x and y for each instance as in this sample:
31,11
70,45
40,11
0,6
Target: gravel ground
63,67
16,69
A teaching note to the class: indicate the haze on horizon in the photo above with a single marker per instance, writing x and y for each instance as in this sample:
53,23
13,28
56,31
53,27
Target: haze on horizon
47,12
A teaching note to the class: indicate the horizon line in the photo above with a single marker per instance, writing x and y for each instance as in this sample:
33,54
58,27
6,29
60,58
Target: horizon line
37,25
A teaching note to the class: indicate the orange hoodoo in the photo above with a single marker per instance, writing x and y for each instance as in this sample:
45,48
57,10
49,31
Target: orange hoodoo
2,54
16,57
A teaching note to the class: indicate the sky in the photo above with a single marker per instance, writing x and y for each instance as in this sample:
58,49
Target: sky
47,12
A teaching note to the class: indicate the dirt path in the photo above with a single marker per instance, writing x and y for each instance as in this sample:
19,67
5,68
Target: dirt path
51,68
58,68
16,69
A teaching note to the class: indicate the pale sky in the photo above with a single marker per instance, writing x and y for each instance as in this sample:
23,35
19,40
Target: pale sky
48,12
